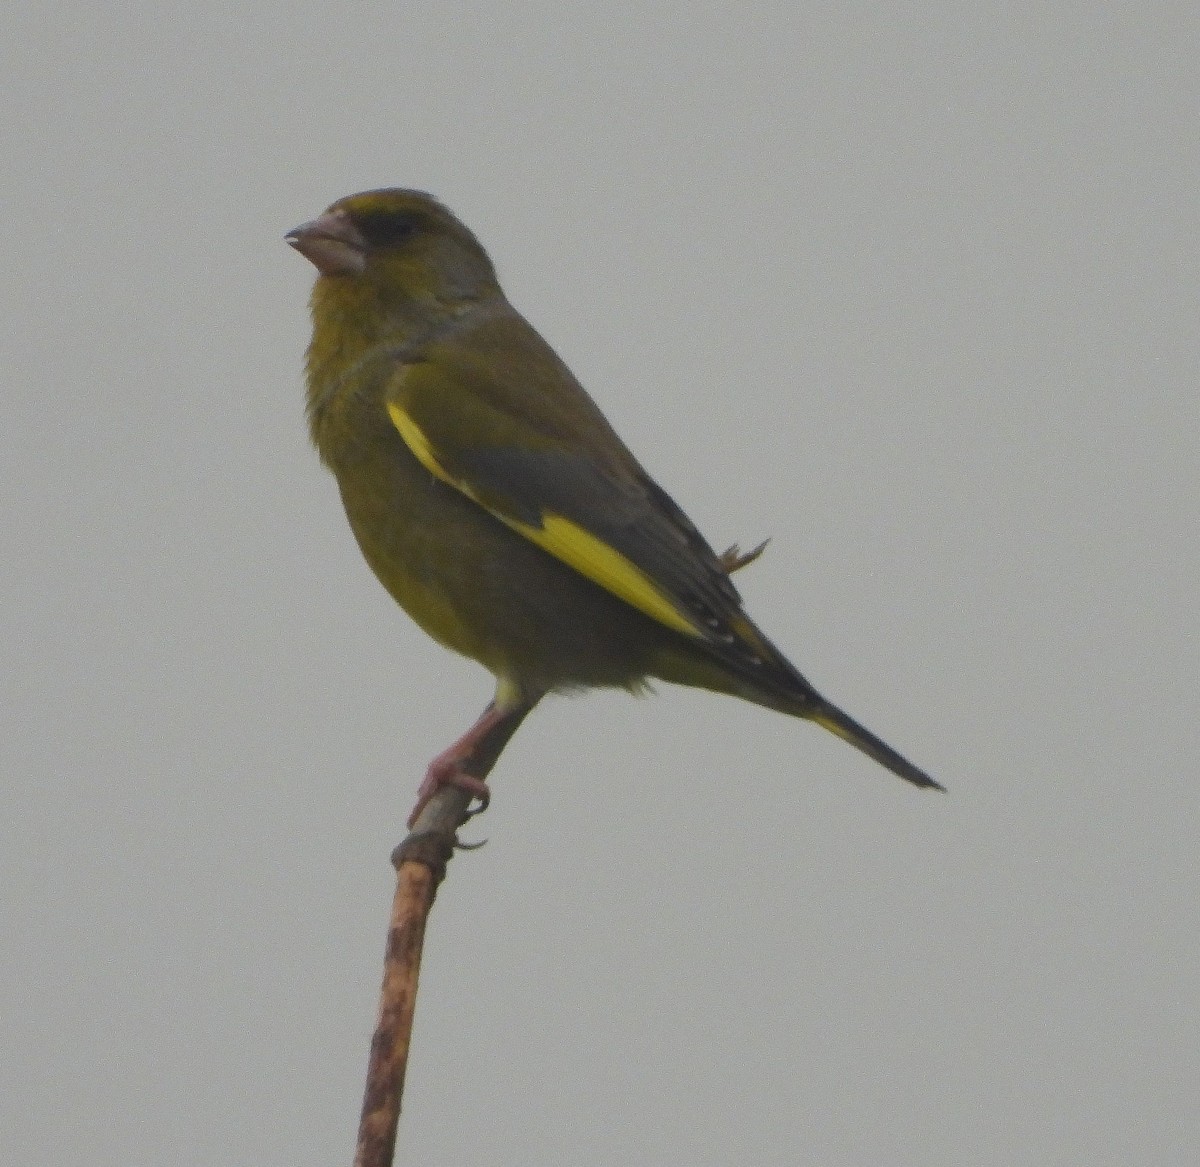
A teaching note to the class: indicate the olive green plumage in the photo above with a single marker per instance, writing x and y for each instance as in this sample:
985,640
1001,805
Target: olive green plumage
490,495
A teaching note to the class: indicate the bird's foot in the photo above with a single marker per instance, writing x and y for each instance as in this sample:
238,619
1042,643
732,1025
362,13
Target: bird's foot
446,770
449,768
470,759
734,558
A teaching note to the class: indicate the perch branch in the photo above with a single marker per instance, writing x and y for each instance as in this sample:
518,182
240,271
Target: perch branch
420,862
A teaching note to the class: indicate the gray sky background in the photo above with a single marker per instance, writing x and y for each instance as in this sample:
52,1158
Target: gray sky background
911,289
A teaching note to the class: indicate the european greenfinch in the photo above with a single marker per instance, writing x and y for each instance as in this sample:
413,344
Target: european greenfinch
494,501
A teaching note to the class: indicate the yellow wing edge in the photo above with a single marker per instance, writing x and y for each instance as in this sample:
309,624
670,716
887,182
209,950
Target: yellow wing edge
565,540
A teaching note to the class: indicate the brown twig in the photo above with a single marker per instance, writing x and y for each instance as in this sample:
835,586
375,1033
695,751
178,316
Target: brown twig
420,862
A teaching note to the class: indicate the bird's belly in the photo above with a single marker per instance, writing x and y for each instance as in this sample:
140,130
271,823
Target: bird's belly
483,590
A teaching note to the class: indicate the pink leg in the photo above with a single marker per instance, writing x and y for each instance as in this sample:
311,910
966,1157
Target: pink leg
447,769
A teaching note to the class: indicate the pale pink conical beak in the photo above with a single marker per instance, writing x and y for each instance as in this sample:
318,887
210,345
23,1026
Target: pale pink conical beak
331,243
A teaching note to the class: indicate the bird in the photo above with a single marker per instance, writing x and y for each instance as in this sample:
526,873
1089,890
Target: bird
495,502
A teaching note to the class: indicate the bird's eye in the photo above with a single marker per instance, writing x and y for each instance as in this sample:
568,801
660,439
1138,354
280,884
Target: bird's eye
387,228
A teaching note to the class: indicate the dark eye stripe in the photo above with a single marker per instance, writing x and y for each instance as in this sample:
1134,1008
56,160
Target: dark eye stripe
387,228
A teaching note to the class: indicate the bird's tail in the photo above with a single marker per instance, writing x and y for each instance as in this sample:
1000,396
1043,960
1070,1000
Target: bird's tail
833,719
752,668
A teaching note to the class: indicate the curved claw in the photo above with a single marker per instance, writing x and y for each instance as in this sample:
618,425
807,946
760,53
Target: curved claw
484,796
734,559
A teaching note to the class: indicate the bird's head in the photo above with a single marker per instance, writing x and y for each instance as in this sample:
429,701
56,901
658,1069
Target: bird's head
400,246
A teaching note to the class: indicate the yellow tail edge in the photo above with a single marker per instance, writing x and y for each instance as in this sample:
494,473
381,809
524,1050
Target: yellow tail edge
830,717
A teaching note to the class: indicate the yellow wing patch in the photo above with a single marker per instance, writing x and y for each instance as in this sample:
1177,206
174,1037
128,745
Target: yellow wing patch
565,540
603,565
415,440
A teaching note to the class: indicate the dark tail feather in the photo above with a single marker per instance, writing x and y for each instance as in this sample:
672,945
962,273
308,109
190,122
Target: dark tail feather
834,720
